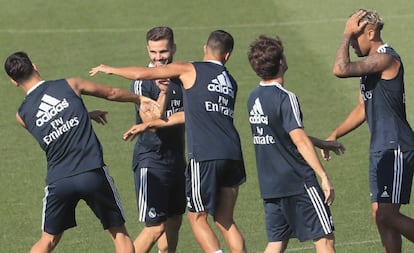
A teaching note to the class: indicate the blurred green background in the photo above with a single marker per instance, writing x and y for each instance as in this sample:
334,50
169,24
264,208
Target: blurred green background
67,38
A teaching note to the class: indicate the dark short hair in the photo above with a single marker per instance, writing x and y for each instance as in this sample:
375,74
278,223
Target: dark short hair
264,55
161,33
220,41
18,66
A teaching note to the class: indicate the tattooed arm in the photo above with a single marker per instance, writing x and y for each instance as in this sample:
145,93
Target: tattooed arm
365,40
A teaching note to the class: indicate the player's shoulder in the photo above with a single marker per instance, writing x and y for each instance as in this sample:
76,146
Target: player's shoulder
181,65
139,85
387,51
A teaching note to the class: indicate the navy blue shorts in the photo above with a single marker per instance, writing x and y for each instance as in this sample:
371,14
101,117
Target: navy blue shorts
304,216
98,190
204,180
391,176
160,194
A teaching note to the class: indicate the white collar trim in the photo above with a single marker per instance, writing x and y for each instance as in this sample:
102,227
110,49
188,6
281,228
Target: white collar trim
270,84
34,87
216,62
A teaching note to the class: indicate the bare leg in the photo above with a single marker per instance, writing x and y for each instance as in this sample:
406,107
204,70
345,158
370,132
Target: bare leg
162,243
389,214
276,247
224,219
203,233
46,243
148,236
390,238
168,242
325,244
121,239
393,224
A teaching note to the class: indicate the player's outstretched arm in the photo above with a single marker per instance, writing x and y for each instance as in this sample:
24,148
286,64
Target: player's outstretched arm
355,118
86,87
132,72
185,71
329,145
172,70
175,119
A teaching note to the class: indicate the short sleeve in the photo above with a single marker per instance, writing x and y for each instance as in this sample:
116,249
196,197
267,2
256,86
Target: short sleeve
291,113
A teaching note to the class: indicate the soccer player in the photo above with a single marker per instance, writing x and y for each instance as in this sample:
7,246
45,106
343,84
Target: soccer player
216,167
382,105
54,113
159,155
295,205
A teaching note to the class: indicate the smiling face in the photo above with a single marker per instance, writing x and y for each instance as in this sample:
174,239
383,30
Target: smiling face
160,51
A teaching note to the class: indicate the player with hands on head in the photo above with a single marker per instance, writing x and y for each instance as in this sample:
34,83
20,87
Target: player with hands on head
54,113
295,205
382,105
216,167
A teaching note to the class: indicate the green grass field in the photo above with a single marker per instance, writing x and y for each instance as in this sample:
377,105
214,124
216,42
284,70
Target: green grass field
67,38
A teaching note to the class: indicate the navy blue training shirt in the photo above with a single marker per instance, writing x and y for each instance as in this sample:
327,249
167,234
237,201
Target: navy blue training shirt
56,116
385,109
209,111
165,147
273,113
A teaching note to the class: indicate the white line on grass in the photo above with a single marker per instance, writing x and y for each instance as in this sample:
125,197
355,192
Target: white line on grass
338,245
128,30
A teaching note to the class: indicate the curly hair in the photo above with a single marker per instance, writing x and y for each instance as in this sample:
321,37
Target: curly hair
264,55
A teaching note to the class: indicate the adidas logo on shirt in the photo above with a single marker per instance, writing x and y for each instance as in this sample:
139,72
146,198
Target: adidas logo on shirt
48,108
222,84
257,115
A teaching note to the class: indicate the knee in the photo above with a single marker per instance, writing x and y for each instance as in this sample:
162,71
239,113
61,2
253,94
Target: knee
157,230
225,222
325,244
51,240
46,243
382,216
194,217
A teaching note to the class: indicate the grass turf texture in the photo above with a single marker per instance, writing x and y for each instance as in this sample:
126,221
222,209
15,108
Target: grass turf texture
66,38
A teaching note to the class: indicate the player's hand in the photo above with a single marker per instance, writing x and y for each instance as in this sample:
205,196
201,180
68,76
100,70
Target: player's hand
328,191
134,130
353,25
101,68
162,84
150,108
99,116
325,151
334,146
